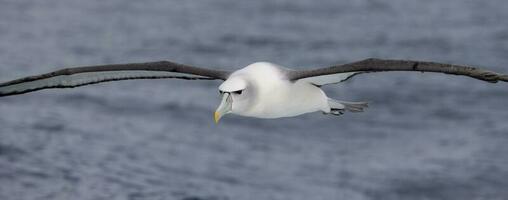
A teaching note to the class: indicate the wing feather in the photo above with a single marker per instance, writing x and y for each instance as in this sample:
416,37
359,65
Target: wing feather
383,65
79,76
330,78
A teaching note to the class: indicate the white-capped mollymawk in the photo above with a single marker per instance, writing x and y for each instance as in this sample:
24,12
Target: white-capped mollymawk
262,89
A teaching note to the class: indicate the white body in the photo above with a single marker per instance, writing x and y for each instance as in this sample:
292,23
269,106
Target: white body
268,94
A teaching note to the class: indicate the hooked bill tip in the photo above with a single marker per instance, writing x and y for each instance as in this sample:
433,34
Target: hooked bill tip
216,117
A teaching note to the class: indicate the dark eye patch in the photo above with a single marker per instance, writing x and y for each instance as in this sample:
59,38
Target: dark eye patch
238,92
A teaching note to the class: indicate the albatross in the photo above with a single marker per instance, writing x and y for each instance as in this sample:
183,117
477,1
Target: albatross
261,89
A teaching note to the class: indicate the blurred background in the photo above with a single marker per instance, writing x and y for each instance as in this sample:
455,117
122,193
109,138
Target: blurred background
425,136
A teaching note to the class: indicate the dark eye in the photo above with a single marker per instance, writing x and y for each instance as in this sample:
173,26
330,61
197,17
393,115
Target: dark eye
238,92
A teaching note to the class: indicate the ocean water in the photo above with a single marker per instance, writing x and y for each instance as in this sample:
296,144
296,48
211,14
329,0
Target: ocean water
424,136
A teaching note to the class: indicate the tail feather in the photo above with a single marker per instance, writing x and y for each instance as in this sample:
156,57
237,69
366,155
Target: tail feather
355,106
340,106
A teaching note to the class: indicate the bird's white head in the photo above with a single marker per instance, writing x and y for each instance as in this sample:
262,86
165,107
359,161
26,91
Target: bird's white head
234,89
245,87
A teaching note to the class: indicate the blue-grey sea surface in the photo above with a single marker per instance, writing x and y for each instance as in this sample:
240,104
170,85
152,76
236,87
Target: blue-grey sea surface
424,136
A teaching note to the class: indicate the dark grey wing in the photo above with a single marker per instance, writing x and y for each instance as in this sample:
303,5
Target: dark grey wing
79,76
338,73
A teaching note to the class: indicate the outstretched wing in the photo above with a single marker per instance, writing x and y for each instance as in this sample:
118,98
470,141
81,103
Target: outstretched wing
339,73
79,76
